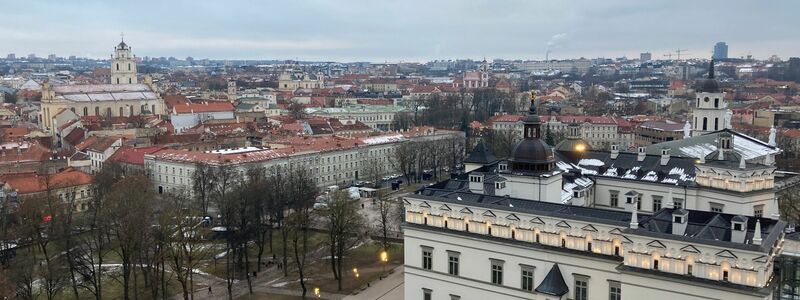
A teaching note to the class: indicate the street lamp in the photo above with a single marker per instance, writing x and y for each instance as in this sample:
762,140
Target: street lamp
385,260
316,292
355,272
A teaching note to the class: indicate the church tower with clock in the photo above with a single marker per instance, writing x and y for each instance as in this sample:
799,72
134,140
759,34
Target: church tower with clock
711,108
123,65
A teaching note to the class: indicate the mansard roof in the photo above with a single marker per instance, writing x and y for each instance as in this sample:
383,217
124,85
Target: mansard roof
713,228
700,146
677,171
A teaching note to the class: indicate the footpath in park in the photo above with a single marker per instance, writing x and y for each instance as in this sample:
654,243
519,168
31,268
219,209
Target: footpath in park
390,288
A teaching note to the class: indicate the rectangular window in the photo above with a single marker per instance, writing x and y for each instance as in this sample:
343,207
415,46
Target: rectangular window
427,258
581,288
614,290
427,294
614,198
527,278
497,271
678,202
758,211
452,262
716,207
656,203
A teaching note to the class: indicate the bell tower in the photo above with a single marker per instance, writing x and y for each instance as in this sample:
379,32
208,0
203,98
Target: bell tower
123,65
711,107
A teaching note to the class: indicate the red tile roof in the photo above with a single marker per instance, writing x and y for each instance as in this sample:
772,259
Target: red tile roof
203,107
131,155
26,183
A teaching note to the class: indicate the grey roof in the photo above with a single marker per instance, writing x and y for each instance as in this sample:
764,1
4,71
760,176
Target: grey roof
481,155
677,171
553,283
711,226
457,191
700,146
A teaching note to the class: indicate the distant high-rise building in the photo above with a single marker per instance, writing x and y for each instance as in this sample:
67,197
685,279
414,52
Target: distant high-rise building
72,57
11,56
646,56
51,57
720,50
32,56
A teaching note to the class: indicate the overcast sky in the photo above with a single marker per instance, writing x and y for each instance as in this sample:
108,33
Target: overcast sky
403,30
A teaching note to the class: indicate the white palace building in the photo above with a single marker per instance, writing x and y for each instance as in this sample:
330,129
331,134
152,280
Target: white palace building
689,219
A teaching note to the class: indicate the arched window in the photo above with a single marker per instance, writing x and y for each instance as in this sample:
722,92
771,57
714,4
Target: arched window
85,111
121,112
117,80
129,66
97,111
108,112
716,102
705,123
716,124
130,80
153,109
72,109
117,67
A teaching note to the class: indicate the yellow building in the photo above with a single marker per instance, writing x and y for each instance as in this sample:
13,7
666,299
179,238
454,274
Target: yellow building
124,97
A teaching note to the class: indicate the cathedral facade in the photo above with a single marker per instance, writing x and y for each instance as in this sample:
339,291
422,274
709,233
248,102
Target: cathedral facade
122,97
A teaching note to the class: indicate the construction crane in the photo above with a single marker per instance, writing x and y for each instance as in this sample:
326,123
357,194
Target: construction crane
679,51
677,54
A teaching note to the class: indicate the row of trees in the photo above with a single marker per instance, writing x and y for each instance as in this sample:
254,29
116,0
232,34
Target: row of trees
456,111
412,158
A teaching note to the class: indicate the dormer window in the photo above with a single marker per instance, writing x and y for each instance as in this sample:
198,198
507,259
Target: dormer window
499,185
677,219
737,226
475,178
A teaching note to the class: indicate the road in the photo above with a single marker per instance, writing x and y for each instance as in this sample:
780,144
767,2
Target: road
390,288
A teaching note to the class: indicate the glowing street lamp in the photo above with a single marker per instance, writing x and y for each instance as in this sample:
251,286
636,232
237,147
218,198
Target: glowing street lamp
355,272
316,292
385,260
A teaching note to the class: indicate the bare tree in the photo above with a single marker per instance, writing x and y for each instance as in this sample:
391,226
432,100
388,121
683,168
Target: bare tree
227,178
183,251
301,191
404,159
344,224
130,208
203,184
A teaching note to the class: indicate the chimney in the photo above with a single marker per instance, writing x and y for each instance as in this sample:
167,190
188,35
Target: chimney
757,233
680,218
738,229
642,154
614,151
664,156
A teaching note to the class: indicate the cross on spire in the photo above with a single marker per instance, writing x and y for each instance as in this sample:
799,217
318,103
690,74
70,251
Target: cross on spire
122,36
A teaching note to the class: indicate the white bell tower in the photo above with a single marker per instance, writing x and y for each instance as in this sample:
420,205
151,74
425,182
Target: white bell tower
710,111
123,65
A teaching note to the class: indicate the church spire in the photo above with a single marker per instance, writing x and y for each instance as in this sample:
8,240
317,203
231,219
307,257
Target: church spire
711,69
532,121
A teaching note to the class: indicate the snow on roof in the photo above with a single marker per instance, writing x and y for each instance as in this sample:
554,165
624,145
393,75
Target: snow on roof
591,162
234,151
384,139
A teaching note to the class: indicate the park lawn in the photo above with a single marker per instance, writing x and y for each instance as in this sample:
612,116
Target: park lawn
112,289
265,296
218,269
364,257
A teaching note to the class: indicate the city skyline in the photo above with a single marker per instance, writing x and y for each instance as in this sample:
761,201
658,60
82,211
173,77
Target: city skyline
377,32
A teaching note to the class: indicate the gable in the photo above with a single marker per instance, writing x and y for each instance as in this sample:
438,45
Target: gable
563,224
589,227
512,217
726,254
657,244
690,248
537,220
465,210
